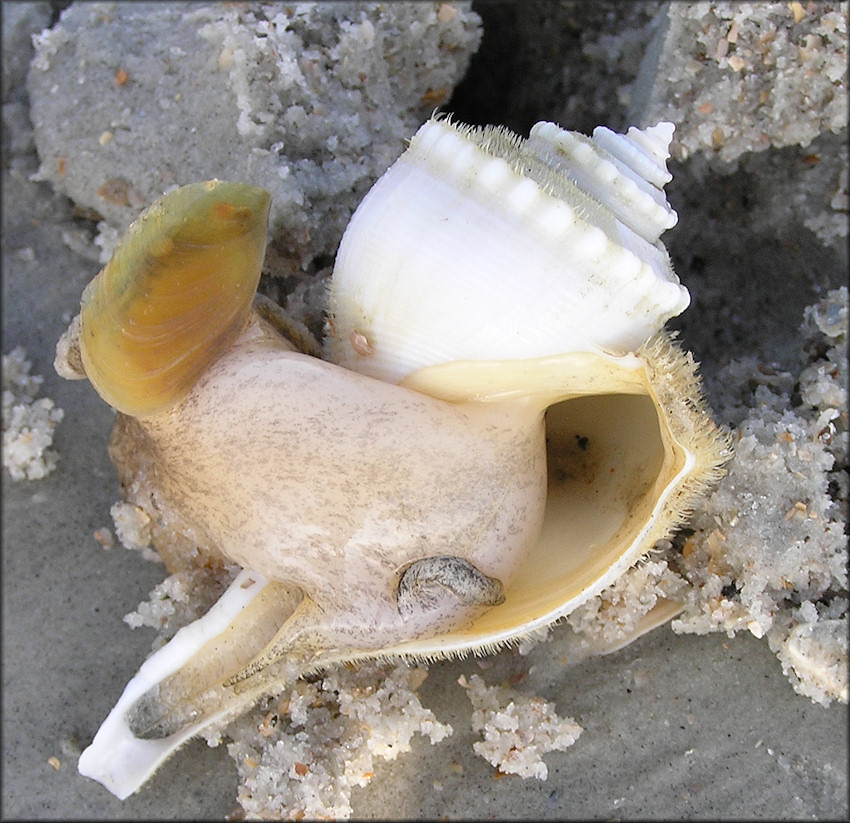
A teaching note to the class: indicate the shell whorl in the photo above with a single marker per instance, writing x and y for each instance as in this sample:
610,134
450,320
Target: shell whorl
175,294
477,244
626,172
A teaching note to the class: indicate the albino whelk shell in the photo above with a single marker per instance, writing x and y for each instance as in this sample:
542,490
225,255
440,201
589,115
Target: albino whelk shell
544,435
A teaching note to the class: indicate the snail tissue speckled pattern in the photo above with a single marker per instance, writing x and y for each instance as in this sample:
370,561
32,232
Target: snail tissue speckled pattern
500,427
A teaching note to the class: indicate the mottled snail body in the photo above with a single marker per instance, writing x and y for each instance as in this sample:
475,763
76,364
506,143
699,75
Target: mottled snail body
503,428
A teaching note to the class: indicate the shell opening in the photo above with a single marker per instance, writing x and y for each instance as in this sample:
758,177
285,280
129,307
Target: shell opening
630,447
608,465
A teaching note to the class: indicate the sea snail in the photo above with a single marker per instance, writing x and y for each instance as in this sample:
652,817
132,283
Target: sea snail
499,429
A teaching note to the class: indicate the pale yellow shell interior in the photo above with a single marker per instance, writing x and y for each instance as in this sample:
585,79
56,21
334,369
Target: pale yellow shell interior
610,465
175,294
629,449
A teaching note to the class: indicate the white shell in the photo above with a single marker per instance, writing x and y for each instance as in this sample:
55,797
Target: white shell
478,245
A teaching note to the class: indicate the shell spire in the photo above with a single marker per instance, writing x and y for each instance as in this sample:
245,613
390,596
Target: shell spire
625,172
